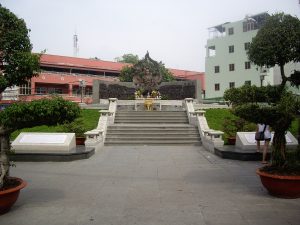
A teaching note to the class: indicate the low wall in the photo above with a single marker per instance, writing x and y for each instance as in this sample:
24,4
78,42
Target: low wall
175,90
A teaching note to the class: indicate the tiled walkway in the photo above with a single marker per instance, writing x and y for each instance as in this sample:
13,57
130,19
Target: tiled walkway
147,185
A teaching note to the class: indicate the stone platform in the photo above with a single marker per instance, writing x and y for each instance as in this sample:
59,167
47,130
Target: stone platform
80,152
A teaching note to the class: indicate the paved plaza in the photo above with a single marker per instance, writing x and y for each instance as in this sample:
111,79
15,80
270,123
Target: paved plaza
146,185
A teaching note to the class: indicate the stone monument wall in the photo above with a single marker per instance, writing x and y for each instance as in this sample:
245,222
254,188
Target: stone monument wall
175,90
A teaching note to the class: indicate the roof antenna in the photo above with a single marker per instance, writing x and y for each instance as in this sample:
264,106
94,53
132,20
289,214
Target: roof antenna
75,45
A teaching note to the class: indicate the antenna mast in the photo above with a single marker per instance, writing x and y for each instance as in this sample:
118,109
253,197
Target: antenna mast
75,45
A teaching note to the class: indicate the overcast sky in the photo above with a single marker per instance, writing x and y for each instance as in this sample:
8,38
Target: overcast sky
173,31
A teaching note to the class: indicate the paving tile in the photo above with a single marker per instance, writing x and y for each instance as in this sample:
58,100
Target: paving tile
147,185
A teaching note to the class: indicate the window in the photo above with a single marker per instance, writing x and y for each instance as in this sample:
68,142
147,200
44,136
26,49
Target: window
25,89
41,90
247,65
231,67
247,45
217,69
230,31
231,84
88,91
53,90
231,48
248,82
211,51
217,87
249,25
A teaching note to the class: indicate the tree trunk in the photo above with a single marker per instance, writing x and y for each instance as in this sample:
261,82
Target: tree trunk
4,161
283,77
279,149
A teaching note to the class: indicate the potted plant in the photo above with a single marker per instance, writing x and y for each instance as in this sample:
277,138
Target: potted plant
77,127
232,125
282,176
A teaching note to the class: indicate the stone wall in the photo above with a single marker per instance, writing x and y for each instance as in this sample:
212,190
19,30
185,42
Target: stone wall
175,90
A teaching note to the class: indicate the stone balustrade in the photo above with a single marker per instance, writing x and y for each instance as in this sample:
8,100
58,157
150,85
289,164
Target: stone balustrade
95,138
210,138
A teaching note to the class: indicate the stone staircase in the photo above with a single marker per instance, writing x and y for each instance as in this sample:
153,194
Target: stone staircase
152,128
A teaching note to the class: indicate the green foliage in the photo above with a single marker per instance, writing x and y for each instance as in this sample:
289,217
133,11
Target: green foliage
45,111
17,62
90,119
166,74
128,58
252,94
225,120
276,107
233,125
277,42
76,126
127,72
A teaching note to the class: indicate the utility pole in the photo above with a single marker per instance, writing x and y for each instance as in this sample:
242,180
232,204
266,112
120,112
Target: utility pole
82,84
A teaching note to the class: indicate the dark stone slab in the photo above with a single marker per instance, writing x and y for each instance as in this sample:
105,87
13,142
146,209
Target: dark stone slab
81,152
230,152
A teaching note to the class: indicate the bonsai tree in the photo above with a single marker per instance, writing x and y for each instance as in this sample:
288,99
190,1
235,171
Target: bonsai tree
276,107
276,43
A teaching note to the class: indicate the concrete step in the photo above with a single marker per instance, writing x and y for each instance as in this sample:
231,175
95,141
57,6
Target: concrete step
153,138
152,128
146,128
152,135
140,121
150,116
133,113
152,132
137,142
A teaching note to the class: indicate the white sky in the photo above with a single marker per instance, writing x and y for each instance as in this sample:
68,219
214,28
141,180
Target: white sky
173,31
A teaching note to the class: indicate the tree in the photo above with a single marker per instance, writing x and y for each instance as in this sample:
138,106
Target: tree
128,58
17,66
17,63
127,72
277,43
271,105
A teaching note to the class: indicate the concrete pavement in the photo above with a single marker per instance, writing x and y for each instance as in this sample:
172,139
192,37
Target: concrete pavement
146,185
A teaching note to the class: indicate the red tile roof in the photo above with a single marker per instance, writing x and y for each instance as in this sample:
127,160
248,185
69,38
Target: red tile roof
73,62
185,73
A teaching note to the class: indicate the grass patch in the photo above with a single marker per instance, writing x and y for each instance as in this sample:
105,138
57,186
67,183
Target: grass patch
90,120
215,119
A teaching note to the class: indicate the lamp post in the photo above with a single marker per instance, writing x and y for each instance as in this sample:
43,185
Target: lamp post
82,85
262,77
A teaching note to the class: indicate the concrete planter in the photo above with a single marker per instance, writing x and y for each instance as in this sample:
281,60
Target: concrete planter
9,197
279,185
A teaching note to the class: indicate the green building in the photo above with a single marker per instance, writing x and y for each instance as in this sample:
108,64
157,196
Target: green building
226,62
